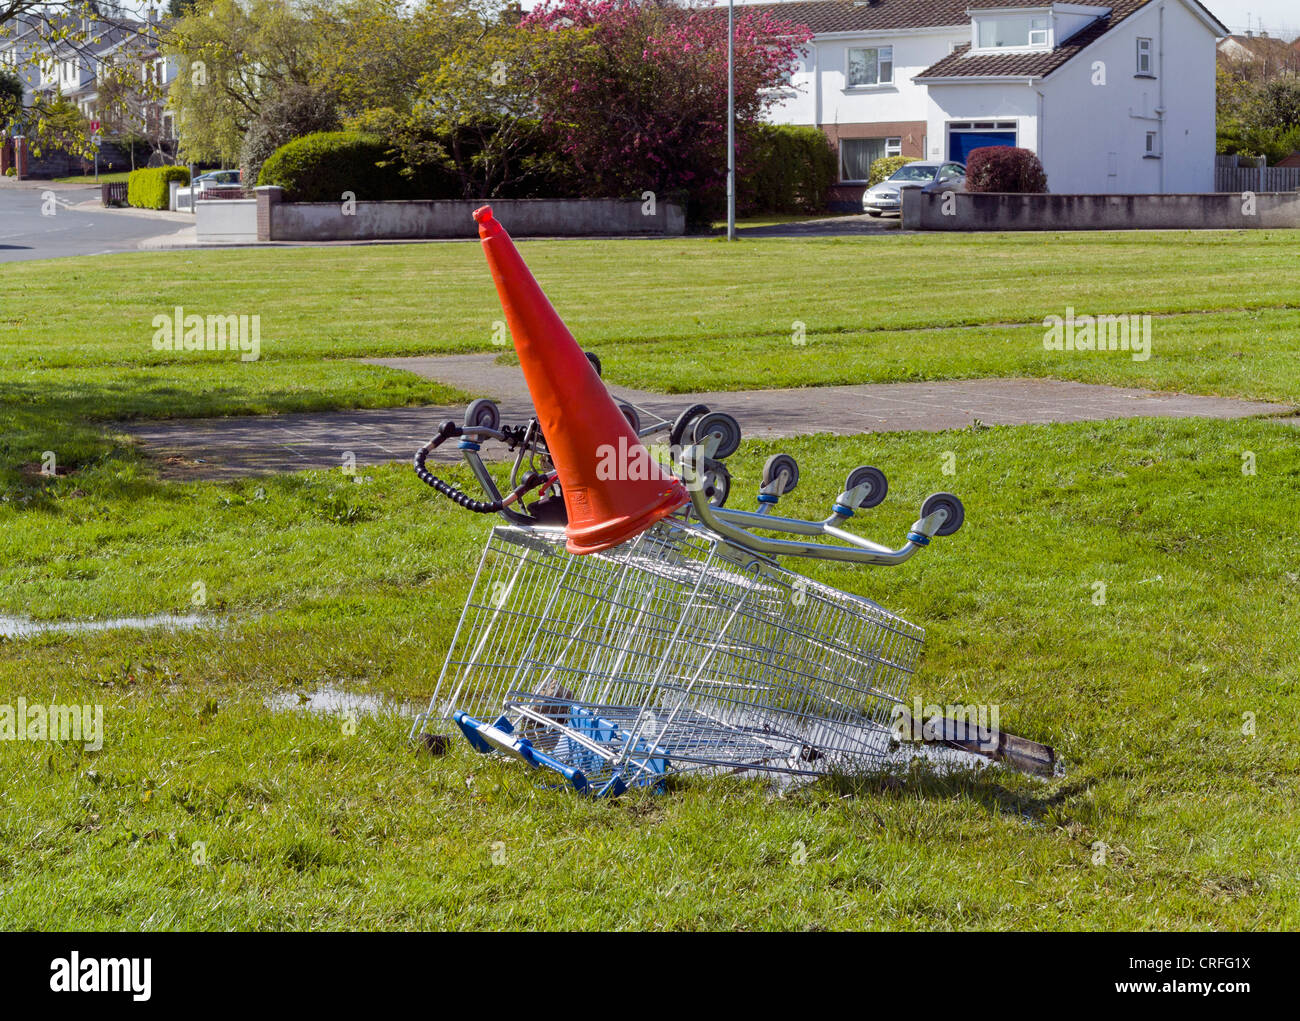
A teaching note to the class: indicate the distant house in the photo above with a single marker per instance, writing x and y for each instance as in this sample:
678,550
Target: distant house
1259,55
73,68
1116,97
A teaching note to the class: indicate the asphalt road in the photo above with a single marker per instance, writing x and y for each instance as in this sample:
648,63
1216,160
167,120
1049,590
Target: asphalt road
26,232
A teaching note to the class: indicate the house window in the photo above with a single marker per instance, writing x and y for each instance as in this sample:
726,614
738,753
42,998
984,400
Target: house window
1013,32
857,155
1153,143
873,65
1144,56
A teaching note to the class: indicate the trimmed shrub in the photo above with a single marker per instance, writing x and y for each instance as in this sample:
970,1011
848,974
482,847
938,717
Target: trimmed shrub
320,167
885,167
149,188
788,170
1005,169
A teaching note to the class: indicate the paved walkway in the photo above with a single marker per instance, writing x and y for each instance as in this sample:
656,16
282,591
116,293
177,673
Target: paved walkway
231,447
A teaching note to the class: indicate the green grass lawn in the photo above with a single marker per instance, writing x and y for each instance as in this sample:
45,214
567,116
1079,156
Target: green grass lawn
302,820
92,179
325,581
871,308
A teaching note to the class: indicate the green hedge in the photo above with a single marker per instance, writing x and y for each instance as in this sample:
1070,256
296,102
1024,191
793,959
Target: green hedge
788,170
320,167
149,188
885,167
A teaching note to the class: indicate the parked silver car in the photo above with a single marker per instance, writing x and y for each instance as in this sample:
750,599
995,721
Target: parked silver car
217,179
928,175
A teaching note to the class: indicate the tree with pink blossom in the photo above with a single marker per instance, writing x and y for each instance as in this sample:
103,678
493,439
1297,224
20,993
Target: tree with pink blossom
634,92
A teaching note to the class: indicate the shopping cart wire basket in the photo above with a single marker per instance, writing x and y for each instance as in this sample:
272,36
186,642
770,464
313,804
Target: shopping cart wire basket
673,652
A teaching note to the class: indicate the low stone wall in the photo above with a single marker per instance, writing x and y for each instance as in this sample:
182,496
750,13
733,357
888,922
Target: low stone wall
278,220
993,212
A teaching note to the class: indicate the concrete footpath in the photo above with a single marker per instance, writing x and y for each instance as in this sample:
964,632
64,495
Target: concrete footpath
255,445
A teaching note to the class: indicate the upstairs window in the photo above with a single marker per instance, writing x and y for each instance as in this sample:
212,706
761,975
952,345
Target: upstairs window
1013,31
1144,57
870,66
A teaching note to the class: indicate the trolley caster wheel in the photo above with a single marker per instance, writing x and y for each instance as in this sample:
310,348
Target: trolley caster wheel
678,432
633,419
595,361
875,478
721,425
779,465
717,482
434,744
948,502
483,414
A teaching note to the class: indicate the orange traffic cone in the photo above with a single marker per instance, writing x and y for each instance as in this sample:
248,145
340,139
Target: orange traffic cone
613,488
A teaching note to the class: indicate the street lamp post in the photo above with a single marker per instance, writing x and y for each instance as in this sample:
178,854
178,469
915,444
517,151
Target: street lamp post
731,120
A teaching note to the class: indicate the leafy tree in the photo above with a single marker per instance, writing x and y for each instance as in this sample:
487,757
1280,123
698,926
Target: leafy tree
1278,104
60,125
294,111
635,91
379,50
235,55
1258,118
476,118
11,96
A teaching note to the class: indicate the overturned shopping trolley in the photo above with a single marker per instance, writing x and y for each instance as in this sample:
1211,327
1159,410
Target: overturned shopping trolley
674,644
675,651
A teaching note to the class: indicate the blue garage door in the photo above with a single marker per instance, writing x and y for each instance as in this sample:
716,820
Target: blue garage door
960,143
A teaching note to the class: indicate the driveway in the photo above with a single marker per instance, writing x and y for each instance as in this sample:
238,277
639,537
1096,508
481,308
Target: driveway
41,221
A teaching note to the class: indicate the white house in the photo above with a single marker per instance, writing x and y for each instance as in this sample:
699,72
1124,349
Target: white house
71,68
1117,97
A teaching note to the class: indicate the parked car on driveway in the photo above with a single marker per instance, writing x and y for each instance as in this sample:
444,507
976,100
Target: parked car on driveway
217,179
928,175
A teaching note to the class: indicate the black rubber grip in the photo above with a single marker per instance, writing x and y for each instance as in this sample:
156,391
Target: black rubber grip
449,430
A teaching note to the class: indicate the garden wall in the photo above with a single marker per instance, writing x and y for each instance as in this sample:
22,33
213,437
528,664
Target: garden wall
278,220
226,221
1208,211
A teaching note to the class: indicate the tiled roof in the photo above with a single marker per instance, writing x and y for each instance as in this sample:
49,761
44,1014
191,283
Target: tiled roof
823,16
1025,65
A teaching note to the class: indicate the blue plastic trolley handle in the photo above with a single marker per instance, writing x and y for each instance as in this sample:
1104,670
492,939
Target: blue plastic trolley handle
499,736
